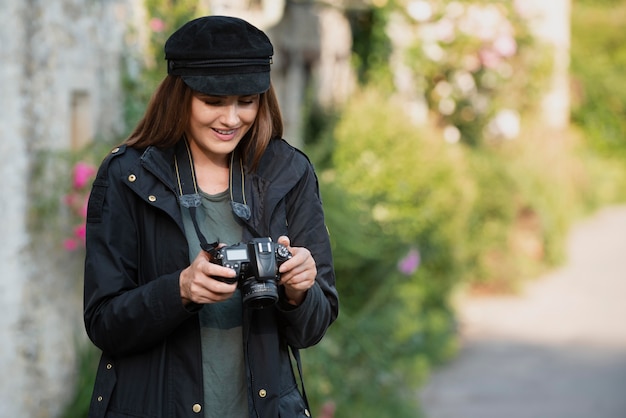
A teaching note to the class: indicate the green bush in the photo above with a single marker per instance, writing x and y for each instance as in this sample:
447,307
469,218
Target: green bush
392,190
88,357
529,192
598,62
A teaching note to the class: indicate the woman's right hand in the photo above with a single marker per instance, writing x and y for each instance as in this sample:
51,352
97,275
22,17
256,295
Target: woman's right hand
198,284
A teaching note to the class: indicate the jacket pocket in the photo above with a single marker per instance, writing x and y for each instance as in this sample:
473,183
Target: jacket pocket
292,405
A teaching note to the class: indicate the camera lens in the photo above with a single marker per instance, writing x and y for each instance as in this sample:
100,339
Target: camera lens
259,294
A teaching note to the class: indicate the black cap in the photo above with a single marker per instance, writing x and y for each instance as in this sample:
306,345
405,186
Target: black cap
220,55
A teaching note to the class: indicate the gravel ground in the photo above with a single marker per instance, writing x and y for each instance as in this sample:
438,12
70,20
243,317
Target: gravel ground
556,350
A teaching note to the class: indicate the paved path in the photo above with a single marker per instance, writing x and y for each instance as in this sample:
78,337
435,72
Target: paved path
557,350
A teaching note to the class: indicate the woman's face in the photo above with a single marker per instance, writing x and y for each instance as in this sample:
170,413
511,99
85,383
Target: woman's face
218,123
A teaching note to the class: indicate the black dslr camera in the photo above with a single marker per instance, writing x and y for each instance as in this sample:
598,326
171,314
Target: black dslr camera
256,264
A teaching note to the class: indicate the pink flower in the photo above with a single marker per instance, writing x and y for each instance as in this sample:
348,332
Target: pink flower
505,46
69,199
157,25
328,410
83,172
70,244
409,264
489,58
80,231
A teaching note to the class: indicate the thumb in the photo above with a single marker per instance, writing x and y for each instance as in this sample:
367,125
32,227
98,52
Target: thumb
284,240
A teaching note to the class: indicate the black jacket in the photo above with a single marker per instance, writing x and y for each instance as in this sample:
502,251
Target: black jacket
136,250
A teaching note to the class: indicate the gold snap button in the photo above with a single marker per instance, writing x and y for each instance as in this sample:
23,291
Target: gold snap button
197,408
114,150
109,366
262,393
152,198
99,398
132,178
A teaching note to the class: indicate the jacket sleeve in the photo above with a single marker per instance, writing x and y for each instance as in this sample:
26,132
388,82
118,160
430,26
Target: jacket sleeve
306,324
123,313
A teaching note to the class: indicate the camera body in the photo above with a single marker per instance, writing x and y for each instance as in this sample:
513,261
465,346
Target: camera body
256,264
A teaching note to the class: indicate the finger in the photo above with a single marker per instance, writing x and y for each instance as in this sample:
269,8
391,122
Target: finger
211,269
297,270
299,285
221,272
211,290
221,289
298,275
207,274
299,264
298,257
284,240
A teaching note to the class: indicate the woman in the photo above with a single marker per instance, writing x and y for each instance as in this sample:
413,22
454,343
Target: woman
206,164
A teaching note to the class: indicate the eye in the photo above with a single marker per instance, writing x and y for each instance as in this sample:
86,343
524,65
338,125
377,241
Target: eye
212,101
248,100
209,100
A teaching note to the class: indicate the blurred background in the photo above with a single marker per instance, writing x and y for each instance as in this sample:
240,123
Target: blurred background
456,143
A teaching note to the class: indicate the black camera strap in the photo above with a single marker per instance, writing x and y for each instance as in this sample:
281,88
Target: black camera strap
188,190
237,187
296,355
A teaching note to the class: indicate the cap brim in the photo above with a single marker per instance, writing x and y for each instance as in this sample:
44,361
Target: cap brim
229,84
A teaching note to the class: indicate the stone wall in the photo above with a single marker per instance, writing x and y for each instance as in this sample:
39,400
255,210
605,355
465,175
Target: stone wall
62,63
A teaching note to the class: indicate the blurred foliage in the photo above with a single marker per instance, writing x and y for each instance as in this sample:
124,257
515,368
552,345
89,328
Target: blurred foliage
599,90
477,66
392,324
87,368
371,46
52,215
526,202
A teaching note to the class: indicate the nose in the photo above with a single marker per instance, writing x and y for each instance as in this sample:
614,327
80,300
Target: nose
230,115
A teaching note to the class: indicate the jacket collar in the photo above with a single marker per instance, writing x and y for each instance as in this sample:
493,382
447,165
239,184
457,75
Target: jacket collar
278,167
160,162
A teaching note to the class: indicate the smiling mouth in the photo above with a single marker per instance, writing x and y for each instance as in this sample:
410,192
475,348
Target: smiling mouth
221,132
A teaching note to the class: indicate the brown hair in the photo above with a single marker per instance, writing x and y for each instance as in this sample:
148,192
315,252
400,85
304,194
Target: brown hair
169,110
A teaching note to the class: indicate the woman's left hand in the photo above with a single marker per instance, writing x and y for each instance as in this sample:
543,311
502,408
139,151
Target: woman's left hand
298,273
